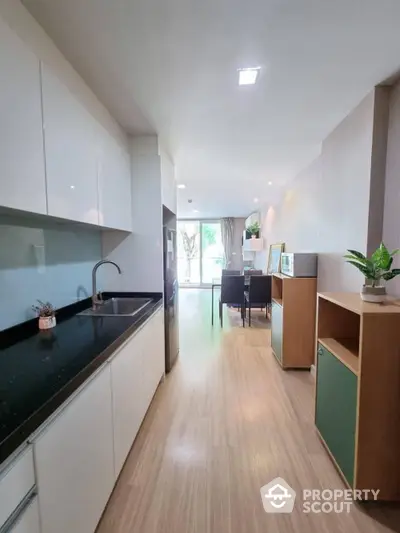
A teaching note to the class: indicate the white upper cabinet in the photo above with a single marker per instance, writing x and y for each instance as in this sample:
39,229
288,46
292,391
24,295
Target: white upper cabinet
115,210
71,153
22,174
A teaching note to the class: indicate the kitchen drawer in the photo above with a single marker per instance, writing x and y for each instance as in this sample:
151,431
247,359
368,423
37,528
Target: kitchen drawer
16,482
26,517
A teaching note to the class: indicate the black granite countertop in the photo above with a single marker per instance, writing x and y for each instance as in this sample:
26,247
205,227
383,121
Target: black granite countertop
40,370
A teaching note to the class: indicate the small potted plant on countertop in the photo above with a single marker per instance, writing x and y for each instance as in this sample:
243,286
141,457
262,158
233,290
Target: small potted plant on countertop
254,230
46,313
376,268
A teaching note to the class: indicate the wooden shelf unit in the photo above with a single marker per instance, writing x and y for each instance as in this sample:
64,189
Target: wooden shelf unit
345,350
293,320
357,405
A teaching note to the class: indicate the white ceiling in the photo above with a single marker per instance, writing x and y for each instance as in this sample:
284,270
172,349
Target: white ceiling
177,61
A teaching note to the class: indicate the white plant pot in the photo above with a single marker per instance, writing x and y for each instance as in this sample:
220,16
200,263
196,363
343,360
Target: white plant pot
47,322
375,295
253,236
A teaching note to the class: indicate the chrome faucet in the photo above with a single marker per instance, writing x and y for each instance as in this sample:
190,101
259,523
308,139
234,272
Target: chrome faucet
95,299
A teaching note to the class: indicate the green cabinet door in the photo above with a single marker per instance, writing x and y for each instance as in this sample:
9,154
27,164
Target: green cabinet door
277,330
335,415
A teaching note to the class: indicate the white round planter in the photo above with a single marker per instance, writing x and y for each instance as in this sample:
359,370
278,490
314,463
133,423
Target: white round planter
375,295
47,322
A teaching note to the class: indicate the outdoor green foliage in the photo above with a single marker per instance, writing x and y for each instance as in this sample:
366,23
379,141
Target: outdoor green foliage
254,228
377,267
191,243
209,235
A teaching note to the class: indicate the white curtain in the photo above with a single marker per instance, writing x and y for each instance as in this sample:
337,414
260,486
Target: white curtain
227,239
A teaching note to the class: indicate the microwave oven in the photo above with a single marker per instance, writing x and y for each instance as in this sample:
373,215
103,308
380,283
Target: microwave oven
299,265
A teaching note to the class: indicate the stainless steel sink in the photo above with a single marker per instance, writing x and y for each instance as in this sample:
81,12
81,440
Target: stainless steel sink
118,307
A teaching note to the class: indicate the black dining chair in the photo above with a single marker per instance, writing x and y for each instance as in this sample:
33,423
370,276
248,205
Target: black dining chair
232,293
259,293
251,272
227,272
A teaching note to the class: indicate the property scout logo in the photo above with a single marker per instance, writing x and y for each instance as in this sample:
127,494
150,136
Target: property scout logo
279,497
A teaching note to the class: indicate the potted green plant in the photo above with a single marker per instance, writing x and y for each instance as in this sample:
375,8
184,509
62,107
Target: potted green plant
254,229
46,314
375,269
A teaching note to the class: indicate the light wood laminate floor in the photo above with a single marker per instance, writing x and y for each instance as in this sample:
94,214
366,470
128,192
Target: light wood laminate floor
225,422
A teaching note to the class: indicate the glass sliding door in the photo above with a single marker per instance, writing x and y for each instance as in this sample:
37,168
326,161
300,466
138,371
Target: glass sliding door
189,252
200,252
212,252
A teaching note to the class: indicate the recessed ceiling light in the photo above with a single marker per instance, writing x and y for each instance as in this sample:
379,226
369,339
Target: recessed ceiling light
270,183
248,76
181,186
256,200
195,210
72,186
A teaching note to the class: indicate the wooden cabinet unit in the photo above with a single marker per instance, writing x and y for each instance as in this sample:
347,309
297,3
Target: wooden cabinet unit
357,407
293,320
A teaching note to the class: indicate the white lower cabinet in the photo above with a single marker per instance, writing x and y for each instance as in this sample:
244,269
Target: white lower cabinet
80,453
29,519
136,372
16,482
155,355
128,403
74,461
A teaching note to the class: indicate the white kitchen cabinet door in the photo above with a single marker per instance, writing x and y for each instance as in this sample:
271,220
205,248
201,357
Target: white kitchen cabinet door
128,401
29,520
154,355
71,153
158,359
22,175
115,204
74,461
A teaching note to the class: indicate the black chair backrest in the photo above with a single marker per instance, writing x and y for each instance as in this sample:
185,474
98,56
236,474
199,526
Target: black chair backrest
260,289
232,290
254,272
227,272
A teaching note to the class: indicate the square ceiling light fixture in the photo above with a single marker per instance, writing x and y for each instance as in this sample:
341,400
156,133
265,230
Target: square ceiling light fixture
248,76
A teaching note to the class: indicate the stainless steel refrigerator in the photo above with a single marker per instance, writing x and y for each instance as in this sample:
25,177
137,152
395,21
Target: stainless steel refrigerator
170,295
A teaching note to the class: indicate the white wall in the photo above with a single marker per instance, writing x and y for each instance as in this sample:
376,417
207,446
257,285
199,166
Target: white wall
326,209
168,183
22,22
391,224
139,254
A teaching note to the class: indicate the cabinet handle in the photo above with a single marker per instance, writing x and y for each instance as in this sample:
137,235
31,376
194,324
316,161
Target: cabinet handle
320,351
19,511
